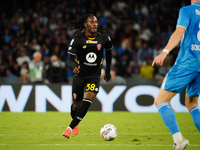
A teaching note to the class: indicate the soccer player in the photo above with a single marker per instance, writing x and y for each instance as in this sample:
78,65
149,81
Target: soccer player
86,59
184,73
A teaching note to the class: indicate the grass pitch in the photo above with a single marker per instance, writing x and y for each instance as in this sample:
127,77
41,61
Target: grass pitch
136,131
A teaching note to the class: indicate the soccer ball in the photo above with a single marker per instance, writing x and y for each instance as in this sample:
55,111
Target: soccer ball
108,132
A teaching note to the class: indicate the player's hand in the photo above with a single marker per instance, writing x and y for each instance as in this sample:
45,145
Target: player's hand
158,60
107,77
76,70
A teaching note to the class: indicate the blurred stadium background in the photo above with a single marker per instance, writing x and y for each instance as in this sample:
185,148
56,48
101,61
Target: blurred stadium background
139,30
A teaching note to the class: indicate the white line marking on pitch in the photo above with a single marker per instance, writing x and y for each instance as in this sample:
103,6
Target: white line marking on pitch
94,134
153,145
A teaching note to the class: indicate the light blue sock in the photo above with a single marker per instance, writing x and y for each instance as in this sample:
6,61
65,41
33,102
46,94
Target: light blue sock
168,117
195,112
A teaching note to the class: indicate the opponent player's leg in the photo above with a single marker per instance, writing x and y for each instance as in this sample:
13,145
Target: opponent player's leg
192,105
191,99
168,116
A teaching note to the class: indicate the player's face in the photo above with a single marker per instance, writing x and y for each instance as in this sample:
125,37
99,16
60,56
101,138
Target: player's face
92,24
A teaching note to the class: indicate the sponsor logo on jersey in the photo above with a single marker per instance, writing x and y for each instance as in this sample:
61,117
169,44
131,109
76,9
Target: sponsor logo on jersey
91,57
84,46
98,46
197,12
91,42
195,47
89,64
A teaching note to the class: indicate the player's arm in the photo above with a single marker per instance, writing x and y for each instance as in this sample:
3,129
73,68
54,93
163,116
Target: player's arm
175,38
72,50
182,24
172,43
108,65
108,47
71,63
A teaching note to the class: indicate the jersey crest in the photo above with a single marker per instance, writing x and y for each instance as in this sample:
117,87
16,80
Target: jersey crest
74,95
98,46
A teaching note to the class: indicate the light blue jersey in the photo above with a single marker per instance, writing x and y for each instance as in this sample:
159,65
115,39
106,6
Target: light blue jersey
189,53
186,70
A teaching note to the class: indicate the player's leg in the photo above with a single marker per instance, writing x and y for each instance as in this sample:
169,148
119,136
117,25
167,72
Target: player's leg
87,101
82,108
176,80
192,105
77,96
74,107
91,90
167,114
71,129
169,118
191,100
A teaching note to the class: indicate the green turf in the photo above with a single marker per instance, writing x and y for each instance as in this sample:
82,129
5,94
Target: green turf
136,131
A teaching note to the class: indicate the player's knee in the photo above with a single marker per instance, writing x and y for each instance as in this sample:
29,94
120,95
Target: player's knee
76,105
191,102
187,104
157,102
190,105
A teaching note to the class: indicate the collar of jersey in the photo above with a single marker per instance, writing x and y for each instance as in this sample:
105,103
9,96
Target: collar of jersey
91,38
196,3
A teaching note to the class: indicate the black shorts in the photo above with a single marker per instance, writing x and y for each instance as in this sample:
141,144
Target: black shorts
80,86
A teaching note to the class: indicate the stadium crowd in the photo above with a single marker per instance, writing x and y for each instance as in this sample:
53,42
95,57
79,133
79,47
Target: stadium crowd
139,30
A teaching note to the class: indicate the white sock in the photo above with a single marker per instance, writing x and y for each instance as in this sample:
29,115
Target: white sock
70,128
177,137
